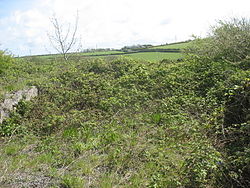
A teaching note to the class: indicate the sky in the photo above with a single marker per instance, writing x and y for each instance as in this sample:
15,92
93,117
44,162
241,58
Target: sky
25,24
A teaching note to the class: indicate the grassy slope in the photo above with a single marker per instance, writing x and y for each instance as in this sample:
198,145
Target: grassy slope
173,46
155,56
123,123
158,56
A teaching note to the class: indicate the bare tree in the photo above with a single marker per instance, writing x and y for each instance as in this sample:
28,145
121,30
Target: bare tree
64,39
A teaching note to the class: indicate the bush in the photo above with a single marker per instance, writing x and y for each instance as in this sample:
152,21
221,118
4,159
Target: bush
221,66
229,40
237,134
5,61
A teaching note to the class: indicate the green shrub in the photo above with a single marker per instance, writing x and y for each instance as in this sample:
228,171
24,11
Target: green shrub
5,61
237,134
229,40
203,166
220,70
12,125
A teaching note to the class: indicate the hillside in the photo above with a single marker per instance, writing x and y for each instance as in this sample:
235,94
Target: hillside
178,45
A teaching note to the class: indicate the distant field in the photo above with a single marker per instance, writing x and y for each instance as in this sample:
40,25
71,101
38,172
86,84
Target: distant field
173,46
100,53
104,53
155,56
137,54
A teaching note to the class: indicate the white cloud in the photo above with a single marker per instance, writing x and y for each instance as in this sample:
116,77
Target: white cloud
115,23
22,32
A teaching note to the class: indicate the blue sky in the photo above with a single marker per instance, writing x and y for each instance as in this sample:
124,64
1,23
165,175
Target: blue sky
8,6
24,24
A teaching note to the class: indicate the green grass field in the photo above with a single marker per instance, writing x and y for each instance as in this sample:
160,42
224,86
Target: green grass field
145,56
173,46
155,56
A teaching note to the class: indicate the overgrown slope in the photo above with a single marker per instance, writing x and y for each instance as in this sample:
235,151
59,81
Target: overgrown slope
121,123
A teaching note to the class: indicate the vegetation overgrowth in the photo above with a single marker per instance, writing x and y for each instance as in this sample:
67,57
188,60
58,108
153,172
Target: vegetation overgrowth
129,123
5,61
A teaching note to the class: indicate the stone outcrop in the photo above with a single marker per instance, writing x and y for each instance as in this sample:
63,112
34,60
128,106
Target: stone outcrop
11,100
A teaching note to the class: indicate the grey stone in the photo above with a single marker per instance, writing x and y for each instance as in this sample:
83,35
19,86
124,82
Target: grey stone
11,100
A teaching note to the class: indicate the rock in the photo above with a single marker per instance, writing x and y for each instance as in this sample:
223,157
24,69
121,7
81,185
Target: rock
11,100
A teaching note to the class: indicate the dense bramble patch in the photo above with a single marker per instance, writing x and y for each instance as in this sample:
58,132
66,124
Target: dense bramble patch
126,123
